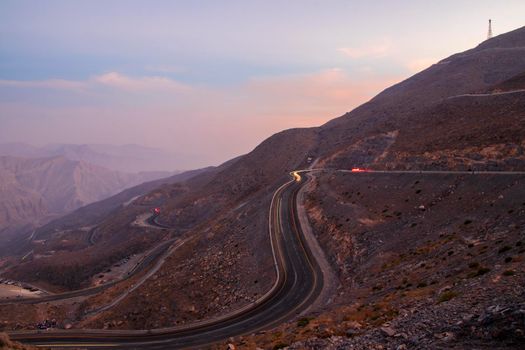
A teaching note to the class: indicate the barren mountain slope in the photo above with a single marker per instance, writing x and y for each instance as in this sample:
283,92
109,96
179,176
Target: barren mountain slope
515,83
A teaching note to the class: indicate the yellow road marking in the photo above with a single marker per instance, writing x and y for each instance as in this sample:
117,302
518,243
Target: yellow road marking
64,345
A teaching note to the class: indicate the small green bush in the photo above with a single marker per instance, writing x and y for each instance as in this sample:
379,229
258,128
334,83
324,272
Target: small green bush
509,273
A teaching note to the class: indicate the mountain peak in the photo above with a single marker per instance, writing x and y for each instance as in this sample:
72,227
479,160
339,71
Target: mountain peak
509,40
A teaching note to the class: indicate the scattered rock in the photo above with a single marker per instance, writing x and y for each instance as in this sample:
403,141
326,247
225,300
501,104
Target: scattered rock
388,331
351,332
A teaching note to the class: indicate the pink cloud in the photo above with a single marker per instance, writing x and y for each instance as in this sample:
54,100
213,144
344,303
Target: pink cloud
165,68
322,95
111,79
374,50
120,81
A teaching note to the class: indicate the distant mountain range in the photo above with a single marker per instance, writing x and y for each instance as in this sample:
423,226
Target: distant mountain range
33,190
127,158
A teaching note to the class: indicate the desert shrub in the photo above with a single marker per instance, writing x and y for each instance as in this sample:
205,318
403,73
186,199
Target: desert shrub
479,272
504,249
509,273
473,265
303,322
446,296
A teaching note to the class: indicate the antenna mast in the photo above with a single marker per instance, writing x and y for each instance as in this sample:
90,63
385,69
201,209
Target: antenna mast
489,34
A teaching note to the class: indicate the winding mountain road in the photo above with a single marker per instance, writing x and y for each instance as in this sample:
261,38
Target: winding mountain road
299,282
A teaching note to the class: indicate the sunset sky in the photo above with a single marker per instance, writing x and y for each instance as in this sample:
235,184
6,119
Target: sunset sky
215,78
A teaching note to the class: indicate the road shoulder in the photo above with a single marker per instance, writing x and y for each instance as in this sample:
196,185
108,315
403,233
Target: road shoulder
330,279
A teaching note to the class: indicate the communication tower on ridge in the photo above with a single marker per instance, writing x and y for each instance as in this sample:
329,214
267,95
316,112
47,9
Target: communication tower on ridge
489,34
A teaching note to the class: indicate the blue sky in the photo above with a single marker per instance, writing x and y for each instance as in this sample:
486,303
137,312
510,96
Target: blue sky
225,73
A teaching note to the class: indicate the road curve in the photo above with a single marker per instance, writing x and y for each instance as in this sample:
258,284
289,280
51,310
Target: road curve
299,282
154,254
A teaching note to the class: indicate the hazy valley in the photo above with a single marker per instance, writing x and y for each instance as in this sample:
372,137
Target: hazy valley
36,190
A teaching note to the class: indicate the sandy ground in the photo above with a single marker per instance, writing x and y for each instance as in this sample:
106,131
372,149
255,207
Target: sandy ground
142,221
130,201
12,291
117,271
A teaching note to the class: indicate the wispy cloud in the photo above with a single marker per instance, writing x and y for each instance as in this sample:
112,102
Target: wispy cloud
59,84
111,79
374,50
120,81
166,68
